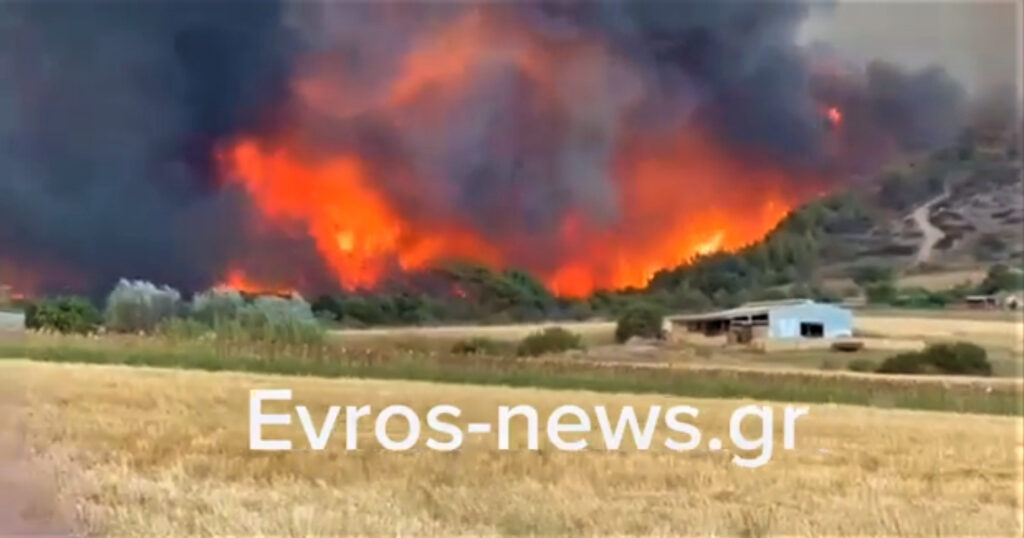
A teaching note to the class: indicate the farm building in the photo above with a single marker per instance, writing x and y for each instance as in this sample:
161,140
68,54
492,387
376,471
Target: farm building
779,320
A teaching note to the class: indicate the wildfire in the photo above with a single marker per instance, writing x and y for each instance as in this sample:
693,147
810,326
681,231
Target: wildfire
674,197
712,245
673,205
237,280
25,279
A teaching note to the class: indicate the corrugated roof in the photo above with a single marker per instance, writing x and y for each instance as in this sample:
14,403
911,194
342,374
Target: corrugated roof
756,308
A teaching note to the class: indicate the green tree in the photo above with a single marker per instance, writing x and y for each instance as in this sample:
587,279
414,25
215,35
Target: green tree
1001,277
644,320
63,314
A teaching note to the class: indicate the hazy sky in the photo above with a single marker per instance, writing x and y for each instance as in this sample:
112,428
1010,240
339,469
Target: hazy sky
976,40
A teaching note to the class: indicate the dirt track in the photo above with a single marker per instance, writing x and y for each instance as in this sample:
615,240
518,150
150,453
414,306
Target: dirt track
932,235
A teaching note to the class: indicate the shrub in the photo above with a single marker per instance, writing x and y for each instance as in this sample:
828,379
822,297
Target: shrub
64,314
1001,277
963,358
960,358
216,304
903,363
138,306
641,319
550,340
861,365
479,346
280,310
919,298
273,320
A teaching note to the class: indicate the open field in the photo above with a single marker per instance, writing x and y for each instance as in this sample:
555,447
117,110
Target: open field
942,313
942,280
686,373
29,504
892,330
594,332
996,333
893,322
148,452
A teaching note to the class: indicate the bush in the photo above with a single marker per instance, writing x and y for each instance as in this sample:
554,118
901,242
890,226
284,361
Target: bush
960,358
282,311
903,363
550,340
216,304
275,320
139,306
328,308
479,346
1001,277
920,298
64,314
642,319
861,365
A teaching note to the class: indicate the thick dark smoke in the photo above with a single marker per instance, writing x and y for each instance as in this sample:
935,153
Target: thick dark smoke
110,114
108,111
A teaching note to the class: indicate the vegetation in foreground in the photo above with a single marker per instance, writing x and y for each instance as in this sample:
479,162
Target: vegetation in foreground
166,453
959,358
389,360
641,320
549,340
224,330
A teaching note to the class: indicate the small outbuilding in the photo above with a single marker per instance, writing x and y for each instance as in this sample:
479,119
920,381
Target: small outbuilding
777,320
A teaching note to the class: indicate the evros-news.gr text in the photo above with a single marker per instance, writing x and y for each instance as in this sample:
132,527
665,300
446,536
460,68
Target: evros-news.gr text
566,428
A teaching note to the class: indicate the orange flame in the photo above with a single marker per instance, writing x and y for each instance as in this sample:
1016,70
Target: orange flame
28,278
237,280
673,201
674,205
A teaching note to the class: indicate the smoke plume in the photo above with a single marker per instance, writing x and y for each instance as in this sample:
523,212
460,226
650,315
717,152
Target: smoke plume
329,144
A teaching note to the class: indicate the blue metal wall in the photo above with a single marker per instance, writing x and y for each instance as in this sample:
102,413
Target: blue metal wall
784,321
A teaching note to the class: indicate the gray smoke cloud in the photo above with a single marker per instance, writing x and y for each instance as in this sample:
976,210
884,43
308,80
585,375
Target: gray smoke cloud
110,113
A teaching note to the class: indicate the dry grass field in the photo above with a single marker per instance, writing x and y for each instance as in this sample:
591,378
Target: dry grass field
164,453
885,330
1007,327
998,333
594,332
942,280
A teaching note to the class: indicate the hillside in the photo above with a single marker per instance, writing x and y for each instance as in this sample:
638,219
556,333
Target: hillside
941,217
954,212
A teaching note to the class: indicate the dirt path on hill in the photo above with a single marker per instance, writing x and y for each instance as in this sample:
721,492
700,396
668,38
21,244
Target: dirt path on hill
932,234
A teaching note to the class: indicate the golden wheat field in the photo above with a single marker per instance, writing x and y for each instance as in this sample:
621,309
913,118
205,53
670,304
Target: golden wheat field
165,453
1008,333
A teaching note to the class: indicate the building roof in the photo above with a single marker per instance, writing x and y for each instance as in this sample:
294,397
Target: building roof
756,308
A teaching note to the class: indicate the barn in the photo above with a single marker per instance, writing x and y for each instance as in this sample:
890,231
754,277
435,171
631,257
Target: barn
778,320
